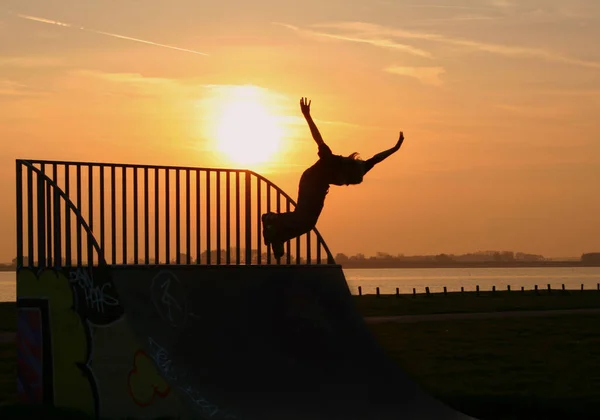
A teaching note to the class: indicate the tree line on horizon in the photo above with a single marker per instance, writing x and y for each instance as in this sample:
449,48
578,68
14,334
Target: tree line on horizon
379,257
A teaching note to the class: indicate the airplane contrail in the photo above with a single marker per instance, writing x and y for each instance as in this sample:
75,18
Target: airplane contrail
67,25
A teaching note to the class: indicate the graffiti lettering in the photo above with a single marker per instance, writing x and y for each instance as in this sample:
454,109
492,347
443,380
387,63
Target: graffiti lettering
169,299
96,297
163,361
206,407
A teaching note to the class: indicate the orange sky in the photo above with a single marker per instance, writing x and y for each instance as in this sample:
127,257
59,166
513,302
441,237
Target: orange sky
499,101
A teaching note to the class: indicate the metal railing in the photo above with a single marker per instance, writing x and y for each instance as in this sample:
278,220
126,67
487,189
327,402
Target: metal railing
145,214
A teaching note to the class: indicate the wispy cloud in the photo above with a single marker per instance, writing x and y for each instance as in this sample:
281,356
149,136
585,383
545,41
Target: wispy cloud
377,41
368,32
9,88
128,38
573,92
425,75
129,78
464,18
535,111
30,61
446,6
501,3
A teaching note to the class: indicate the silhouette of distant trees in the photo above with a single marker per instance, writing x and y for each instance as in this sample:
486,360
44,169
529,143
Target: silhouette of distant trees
379,260
481,256
591,258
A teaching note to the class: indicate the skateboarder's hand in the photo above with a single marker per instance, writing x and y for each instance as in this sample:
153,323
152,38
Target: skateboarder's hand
305,106
400,140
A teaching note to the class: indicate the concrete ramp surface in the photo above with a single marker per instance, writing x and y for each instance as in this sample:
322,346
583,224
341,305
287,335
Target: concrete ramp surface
202,342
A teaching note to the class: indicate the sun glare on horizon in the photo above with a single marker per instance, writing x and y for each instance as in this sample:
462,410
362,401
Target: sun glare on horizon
244,129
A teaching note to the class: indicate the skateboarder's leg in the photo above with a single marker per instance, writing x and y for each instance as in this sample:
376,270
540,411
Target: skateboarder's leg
279,228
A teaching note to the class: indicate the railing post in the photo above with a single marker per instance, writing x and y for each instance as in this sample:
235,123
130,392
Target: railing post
248,208
188,247
268,211
79,239
102,211
218,215
30,249
156,220
49,225
90,253
258,223
136,219
19,199
57,230
41,226
238,242
146,221
113,213
177,217
198,219
208,259
228,218
167,217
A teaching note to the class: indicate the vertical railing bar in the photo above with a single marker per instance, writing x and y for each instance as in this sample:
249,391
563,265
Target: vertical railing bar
319,244
228,218
146,219
90,214
102,209
248,212
269,189
135,217
19,214
113,211
91,197
30,245
258,223
49,226
188,250
208,217
57,230
79,238
308,253
41,209
167,217
124,211
68,236
177,217
218,220
288,251
156,218
237,218
198,218
279,211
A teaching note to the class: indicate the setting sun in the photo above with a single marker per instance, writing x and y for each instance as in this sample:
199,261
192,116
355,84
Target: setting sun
244,128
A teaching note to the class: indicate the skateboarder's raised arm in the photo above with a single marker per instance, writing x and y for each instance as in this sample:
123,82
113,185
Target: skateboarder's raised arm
305,108
385,154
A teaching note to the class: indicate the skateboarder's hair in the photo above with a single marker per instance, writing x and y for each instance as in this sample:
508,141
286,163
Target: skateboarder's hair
352,168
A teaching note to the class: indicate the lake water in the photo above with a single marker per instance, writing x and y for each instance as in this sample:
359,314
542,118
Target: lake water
435,278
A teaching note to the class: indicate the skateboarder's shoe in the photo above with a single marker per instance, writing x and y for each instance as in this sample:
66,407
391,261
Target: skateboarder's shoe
278,250
268,228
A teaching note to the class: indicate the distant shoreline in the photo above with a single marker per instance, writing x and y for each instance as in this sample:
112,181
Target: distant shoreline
371,264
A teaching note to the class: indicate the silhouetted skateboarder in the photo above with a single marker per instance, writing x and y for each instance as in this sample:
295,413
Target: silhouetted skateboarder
278,228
